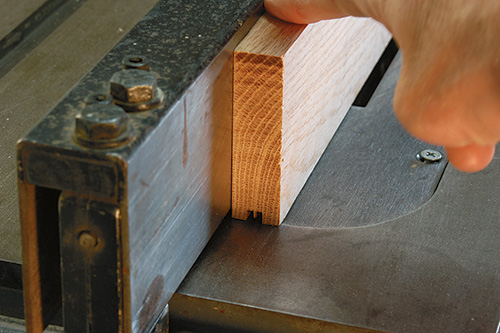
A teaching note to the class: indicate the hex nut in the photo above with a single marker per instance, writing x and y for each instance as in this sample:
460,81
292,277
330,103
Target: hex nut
135,62
133,86
101,122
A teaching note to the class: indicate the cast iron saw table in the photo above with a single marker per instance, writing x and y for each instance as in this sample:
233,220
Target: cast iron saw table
377,240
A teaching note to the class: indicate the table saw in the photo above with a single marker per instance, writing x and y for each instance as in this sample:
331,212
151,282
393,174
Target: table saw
133,233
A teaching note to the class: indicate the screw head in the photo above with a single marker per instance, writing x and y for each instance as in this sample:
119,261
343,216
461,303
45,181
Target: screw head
101,122
135,62
430,156
133,86
87,240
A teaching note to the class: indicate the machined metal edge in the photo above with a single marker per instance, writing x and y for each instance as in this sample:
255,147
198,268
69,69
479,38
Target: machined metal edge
49,148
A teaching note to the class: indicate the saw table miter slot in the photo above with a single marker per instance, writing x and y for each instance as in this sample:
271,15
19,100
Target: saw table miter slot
293,85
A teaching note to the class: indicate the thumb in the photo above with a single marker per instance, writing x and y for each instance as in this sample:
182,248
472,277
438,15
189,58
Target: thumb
309,11
471,158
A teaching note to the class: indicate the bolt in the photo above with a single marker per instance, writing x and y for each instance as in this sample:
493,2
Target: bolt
429,156
135,62
101,122
87,240
133,86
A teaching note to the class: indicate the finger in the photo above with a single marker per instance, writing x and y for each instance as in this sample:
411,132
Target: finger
471,158
451,115
309,11
303,11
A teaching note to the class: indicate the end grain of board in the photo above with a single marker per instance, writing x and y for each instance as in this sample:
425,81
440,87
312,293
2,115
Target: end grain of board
293,85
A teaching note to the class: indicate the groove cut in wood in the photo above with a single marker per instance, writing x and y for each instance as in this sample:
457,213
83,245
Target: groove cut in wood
293,84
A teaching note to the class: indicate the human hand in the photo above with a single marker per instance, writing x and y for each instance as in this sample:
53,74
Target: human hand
448,92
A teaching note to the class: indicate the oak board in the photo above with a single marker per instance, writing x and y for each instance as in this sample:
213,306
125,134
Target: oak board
293,85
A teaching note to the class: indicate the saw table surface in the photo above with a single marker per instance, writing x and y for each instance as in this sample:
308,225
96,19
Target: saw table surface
376,240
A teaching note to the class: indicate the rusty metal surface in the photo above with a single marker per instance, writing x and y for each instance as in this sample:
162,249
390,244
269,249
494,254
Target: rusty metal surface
30,89
170,182
89,230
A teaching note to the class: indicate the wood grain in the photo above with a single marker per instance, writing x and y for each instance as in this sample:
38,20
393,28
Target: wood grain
293,84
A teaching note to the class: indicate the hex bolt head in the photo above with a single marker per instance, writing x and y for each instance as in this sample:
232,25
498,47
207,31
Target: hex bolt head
87,240
430,156
133,86
101,122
